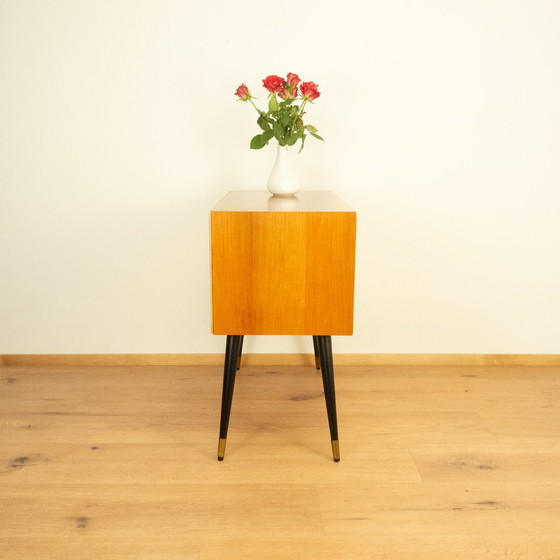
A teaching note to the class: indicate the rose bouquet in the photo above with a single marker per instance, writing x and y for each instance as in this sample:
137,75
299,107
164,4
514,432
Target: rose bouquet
284,118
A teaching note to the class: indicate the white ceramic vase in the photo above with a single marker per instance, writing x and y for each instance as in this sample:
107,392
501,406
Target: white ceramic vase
282,180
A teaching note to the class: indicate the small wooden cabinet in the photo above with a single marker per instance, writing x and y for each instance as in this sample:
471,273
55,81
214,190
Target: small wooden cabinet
282,266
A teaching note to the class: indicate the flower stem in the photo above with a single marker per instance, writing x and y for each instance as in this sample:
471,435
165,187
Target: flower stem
253,104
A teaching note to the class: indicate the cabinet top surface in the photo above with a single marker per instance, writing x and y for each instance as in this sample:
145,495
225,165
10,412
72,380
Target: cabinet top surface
263,201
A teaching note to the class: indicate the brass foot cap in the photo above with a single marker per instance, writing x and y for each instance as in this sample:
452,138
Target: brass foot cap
335,450
221,448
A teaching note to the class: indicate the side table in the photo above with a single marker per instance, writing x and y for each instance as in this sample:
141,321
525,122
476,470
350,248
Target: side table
282,266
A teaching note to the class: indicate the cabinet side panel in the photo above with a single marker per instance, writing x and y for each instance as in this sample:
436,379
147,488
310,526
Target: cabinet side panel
231,234
331,248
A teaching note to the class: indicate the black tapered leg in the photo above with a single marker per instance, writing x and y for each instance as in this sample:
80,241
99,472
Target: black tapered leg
233,350
240,352
316,351
324,346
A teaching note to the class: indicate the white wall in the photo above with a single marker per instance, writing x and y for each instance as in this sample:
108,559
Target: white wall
119,131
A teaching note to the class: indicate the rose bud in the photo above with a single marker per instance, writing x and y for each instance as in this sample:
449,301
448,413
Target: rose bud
243,92
287,94
293,79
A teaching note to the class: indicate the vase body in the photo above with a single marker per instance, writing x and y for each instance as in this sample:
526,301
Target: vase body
282,180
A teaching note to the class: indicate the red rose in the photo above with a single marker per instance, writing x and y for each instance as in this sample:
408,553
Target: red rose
293,79
309,90
287,94
243,92
273,84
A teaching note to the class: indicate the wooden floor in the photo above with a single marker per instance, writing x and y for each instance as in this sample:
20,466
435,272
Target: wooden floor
437,463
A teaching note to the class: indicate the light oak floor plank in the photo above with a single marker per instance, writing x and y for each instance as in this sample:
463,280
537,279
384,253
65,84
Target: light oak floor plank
437,462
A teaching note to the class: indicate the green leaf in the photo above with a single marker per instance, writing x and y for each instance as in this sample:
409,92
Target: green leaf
302,142
311,128
268,135
261,140
293,139
263,123
316,136
278,131
257,142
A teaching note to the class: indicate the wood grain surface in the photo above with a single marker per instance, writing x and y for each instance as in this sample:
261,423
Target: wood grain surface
438,462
